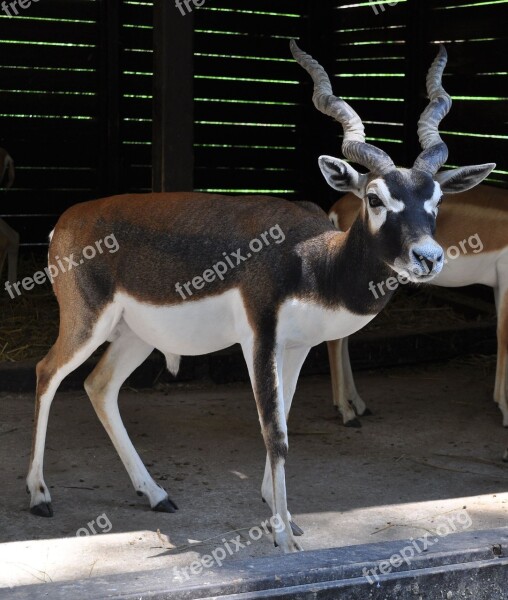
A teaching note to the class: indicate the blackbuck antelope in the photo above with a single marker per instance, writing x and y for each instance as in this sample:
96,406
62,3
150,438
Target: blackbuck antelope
9,239
277,304
473,230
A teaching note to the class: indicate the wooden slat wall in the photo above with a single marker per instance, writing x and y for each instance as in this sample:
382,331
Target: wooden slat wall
256,130
136,90
53,119
246,91
49,67
376,38
370,51
476,37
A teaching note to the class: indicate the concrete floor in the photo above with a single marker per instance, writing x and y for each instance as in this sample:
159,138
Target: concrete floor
433,447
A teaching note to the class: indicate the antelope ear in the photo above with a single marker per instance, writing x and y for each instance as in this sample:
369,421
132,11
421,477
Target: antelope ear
341,176
463,179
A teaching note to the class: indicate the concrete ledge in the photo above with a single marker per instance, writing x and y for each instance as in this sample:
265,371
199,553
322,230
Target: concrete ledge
464,565
368,351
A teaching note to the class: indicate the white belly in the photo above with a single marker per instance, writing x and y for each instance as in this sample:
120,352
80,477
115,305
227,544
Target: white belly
302,323
215,323
189,328
468,270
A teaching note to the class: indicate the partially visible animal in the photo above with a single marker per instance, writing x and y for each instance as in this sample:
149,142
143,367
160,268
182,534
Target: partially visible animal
9,239
6,169
472,228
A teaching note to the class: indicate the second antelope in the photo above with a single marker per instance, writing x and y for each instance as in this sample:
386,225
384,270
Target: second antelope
311,288
480,213
9,239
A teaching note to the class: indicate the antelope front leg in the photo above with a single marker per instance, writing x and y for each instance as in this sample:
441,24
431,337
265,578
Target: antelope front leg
341,386
502,352
351,391
292,364
500,386
265,368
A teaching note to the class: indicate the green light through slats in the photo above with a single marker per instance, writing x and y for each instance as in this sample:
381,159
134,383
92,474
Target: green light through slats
239,33
243,191
65,69
233,124
58,44
476,135
48,92
482,98
244,147
36,116
236,56
346,75
249,79
376,43
368,3
250,12
372,99
233,101
472,4
50,19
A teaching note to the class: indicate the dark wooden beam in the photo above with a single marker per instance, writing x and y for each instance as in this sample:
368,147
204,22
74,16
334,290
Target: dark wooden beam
173,101
416,66
109,153
317,134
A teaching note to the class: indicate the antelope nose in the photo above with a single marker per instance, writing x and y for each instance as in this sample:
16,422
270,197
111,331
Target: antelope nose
427,260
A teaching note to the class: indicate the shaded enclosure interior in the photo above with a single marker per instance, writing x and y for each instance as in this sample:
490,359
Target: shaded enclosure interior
77,89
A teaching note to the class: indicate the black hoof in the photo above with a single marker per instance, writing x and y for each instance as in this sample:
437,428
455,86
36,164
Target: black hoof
167,506
367,413
295,529
44,509
356,423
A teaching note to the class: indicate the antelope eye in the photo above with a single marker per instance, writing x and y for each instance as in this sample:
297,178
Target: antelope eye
440,201
374,201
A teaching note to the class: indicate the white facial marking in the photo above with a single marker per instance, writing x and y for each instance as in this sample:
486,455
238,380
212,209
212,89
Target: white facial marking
431,206
378,215
381,189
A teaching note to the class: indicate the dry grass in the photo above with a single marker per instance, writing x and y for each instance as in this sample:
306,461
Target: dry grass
28,323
